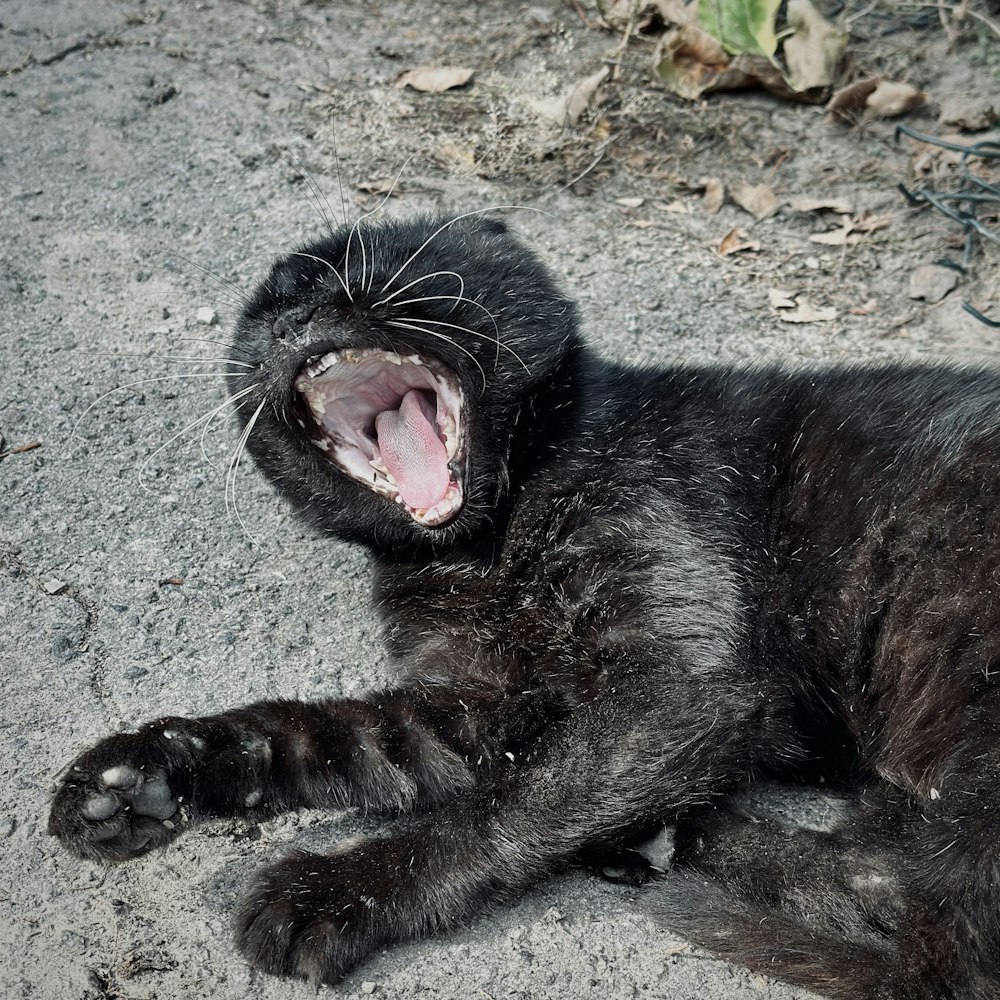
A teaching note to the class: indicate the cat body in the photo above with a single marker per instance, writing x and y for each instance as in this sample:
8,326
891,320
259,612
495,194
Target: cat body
613,594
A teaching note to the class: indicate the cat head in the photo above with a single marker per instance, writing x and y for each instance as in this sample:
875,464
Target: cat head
401,370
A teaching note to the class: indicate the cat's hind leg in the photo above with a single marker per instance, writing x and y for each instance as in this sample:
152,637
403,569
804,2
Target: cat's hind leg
588,781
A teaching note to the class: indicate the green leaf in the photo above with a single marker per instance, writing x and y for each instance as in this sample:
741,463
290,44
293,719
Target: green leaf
741,25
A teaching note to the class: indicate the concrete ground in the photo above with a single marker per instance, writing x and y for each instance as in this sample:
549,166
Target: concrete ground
142,148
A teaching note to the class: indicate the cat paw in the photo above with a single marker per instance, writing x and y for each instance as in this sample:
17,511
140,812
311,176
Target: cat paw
120,799
317,917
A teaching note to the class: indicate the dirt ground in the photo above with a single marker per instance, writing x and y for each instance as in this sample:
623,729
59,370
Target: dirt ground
152,160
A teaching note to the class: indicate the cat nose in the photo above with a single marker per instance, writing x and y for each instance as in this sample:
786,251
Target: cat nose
293,325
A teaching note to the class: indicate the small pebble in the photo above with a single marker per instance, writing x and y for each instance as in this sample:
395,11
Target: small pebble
207,316
368,987
53,586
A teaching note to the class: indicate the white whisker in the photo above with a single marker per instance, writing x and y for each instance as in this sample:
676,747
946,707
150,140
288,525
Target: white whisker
473,333
340,176
318,199
347,261
471,302
235,348
178,359
204,417
234,465
320,260
212,416
222,284
143,381
458,218
416,281
440,336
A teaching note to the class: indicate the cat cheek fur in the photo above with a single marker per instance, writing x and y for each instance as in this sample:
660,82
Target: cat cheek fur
655,584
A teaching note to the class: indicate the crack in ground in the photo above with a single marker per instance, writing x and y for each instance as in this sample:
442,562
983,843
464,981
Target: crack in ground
11,559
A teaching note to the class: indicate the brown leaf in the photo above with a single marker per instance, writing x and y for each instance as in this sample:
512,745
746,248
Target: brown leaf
851,230
848,103
931,282
675,207
836,237
383,186
814,48
757,199
778,298
864,310
736,241
714,196
970,114
802,203
566,109
435,79
463,156
872,223
689,61
805,312
888,99
582,92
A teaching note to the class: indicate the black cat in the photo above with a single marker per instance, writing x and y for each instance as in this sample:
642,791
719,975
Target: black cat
614,594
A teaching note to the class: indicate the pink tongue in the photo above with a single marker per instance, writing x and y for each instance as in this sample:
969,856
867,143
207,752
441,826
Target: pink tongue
413,453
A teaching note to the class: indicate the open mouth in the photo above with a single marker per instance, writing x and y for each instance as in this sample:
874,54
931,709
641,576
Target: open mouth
392,422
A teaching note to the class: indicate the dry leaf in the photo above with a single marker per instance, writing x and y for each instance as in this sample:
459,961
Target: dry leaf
872,223
630,202
836,237
970,114
451,152
890,99
851,230
932,283
735,241
675,207
435,79
814,48
714,196
386,185
848,103
757,199
641,223
805,312
621,13
566,109
842,206
778,298
865,310
689,61
580,95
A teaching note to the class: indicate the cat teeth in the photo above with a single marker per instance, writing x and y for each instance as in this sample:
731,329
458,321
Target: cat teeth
316,403
317,368
442,510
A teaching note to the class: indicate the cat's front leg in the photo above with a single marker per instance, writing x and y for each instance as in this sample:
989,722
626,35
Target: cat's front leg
634,758
393,751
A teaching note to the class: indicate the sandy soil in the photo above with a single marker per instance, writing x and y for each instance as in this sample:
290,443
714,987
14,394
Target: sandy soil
142,145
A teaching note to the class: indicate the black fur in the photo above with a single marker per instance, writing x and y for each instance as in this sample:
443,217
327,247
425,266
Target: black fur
662,582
